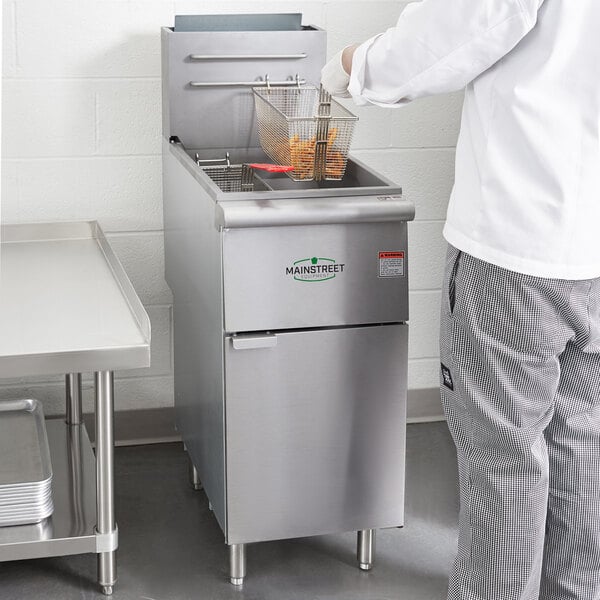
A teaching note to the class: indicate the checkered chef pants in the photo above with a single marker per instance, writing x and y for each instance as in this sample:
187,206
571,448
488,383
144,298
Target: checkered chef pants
520,384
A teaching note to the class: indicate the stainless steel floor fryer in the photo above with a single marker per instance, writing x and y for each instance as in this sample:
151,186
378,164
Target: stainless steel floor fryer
290,302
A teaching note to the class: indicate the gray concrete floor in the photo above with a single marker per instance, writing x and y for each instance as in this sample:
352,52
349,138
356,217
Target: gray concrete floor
171,547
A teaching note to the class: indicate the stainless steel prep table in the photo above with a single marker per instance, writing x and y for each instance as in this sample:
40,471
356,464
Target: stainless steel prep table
67,307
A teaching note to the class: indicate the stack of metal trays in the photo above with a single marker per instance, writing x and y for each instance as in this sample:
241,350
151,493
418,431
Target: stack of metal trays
25,468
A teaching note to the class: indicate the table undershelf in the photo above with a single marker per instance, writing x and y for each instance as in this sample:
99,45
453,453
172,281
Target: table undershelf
71,528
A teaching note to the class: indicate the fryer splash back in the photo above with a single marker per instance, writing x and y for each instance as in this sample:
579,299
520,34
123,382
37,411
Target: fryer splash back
208,78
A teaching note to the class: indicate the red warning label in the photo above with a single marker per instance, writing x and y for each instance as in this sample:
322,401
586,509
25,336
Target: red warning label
391,264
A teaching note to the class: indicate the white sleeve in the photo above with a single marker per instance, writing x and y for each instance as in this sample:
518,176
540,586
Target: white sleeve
438,46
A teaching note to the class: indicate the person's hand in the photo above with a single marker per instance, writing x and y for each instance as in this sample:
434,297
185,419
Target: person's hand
334,78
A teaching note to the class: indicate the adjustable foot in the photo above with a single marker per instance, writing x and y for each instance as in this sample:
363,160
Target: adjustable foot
107,590
194,477
365,549
237,564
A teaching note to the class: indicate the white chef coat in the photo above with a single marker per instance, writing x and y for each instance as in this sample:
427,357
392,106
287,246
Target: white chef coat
527,187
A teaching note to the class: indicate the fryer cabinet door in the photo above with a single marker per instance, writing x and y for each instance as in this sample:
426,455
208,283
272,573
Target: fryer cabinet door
315,432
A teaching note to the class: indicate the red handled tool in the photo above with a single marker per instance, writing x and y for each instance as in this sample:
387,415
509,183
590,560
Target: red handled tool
271,168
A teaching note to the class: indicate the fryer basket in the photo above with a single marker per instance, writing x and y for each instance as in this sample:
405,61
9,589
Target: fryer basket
303,127
232,178
238,178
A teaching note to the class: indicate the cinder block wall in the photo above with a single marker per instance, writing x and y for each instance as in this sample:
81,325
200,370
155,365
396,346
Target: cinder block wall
81,140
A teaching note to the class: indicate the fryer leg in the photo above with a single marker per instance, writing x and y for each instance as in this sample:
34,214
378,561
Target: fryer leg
365,548
237,563
194,477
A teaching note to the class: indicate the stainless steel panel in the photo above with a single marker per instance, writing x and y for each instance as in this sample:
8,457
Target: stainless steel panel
66,304
263,292
70,529
316,433
69,233
224,117
193,270
330,211
244,22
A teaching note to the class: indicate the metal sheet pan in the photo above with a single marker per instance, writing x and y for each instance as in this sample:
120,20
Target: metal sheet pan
26,519
12,500
32,490
31,513
25,462
25,468
36,492
36,498
26,509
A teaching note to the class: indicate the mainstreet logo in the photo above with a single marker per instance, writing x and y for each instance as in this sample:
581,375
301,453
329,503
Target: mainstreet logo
314,269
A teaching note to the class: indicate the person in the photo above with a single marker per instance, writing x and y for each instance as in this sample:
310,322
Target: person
520,317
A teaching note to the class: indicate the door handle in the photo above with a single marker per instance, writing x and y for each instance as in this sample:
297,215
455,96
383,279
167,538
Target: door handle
252,342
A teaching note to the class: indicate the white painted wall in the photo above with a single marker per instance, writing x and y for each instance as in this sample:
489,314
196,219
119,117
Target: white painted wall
1,62
81,140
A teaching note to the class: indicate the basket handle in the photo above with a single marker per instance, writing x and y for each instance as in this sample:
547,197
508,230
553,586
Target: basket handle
322,138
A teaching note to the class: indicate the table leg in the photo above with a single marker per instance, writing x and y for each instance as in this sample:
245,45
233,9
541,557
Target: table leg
76,479
105,501
74,413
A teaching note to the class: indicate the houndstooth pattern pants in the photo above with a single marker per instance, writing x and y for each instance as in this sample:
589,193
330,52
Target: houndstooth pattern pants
520,386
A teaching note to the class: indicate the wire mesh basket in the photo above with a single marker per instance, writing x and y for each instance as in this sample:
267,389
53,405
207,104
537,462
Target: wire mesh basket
237,178
232,178
303,127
